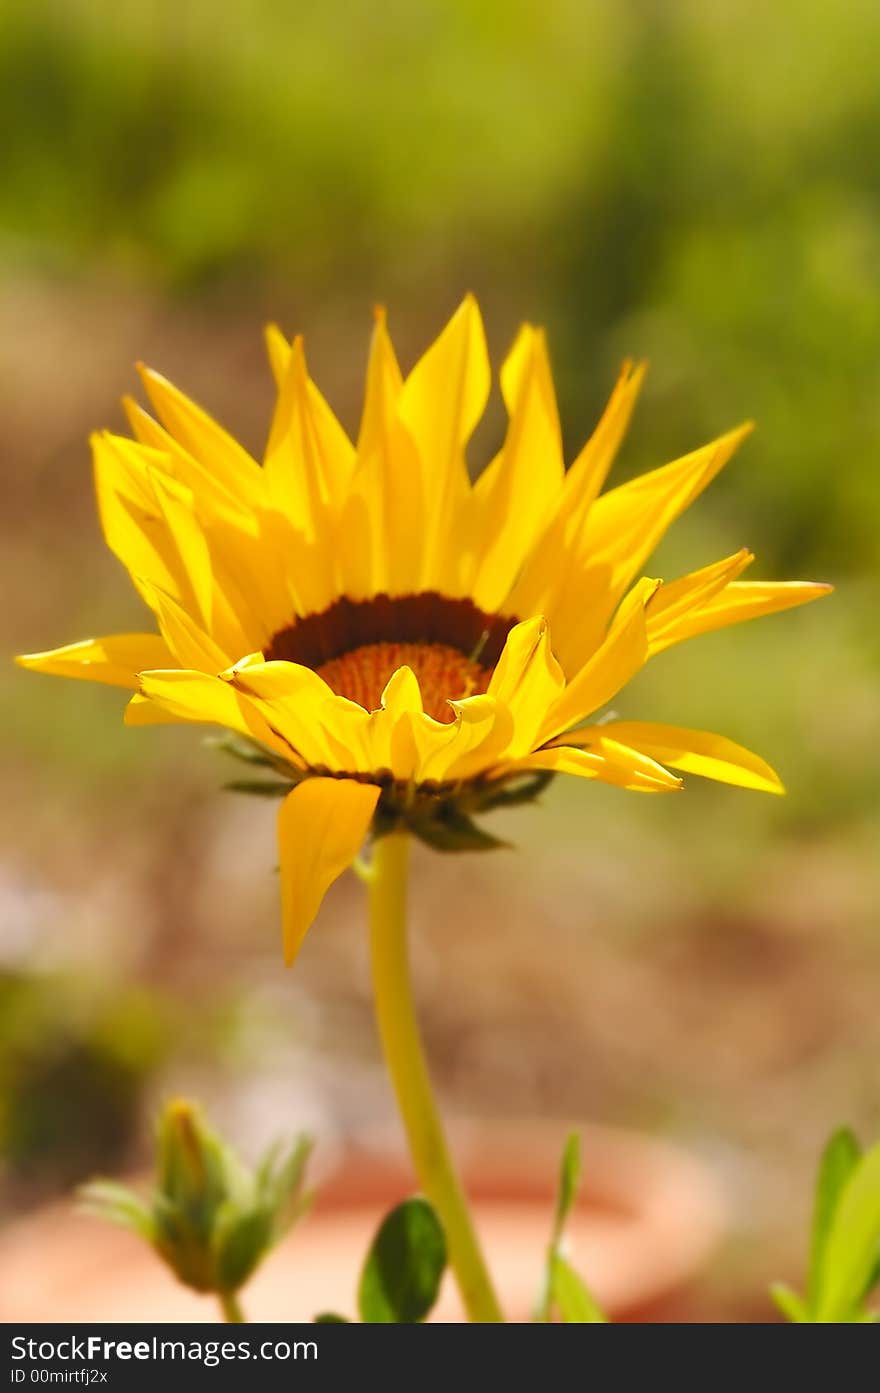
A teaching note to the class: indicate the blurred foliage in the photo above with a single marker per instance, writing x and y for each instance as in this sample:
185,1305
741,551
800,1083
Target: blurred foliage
73,1070
690,181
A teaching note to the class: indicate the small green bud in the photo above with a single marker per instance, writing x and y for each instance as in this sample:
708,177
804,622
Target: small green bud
210,1218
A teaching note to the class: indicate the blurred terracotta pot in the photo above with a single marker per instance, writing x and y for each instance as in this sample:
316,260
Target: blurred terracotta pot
647,1219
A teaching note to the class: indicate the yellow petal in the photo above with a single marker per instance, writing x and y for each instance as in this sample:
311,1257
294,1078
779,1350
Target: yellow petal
384,512
309,458
622,529
321,826
544,572
677,599
197,696
326,730
513,496
186,639
278,350
140,711
115,660
623,652
131,518
693,751
440,404
590,469
203,438
610,763
740,601
473,742
211,492
528,681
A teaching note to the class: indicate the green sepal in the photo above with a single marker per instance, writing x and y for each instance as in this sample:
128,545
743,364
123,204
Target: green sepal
453,830
331,1318
263,788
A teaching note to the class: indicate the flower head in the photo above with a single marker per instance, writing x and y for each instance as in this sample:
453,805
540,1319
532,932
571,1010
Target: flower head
402,645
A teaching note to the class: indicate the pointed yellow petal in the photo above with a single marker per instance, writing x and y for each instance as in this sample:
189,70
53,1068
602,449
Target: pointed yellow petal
514,495
131,518
677,599
590,469
740,601
140,711
621,655
442,400
321,826
693,751
383,521
203,437
115,660
278,350
622,528
625,525
528,681
197,696
610,763
309,458
326,730
186,639
544,573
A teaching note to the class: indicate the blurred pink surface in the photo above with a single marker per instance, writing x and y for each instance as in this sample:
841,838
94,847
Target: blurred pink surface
647,1219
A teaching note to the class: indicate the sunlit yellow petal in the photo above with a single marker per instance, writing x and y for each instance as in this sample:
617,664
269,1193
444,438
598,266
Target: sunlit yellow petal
621,655
321,826
199,697
203,437
440,404
115,660
609,762
514,496
693,751
740,601
528,681
677,599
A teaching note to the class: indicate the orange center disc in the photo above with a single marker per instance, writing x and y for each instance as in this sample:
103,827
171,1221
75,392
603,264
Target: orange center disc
443,674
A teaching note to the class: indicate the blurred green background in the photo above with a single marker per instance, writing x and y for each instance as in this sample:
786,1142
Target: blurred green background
689,182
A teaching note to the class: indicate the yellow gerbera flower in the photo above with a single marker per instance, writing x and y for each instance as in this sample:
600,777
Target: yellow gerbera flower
401,644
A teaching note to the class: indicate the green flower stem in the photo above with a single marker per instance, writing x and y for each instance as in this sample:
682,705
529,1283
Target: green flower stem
232,1312
405,1059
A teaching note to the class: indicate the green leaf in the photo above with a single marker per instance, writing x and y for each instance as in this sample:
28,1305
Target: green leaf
789,1303
404,1266
569,1180
850,1250
562,1287
570,1295
330,1318
839,1160
105,1199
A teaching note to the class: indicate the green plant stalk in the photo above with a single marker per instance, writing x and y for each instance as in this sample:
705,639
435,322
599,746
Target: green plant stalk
231,1308
405,1060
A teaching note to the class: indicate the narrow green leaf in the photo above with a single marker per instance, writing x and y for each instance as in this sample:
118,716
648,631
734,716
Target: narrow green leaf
404,1266
575,1303
853,1240
569,1180
789,1303
839,1160
116,1204
330,1318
